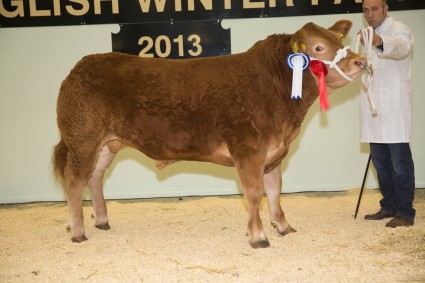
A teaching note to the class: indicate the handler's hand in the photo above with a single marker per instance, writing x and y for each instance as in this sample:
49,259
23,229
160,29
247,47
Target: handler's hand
361,37
376,41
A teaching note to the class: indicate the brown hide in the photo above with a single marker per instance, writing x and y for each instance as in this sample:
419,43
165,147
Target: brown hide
185,109
232,110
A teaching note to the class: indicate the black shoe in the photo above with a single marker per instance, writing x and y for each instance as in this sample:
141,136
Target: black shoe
399,222
378,216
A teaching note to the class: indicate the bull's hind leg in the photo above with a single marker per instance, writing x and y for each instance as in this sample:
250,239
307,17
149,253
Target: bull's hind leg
95,183
79,166
74,189
252,181
273,184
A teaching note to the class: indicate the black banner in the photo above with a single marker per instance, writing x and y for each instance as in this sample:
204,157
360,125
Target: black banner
173,40
24,13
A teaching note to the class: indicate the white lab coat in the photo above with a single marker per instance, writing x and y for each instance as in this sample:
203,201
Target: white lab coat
391,89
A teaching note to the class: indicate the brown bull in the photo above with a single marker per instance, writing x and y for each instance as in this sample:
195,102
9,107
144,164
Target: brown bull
233,110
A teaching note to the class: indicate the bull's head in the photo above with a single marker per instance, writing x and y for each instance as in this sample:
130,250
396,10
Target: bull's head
326,45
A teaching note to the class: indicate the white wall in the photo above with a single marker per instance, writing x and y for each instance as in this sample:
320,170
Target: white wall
326,156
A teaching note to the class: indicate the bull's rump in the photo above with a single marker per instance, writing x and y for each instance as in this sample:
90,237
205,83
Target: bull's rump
168,109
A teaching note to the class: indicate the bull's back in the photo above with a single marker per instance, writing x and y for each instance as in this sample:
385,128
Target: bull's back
161,105
111,79
115,83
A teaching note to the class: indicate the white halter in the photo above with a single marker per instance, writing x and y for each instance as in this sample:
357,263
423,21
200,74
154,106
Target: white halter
367,78
340,54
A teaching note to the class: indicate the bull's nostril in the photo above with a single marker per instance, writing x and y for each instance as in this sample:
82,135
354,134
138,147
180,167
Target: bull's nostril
360,64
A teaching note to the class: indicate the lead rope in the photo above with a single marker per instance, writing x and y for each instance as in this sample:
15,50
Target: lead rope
367,78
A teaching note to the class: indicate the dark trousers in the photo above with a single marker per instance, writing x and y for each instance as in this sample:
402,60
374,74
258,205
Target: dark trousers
396,177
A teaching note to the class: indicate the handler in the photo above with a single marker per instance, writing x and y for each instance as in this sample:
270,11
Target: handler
389,129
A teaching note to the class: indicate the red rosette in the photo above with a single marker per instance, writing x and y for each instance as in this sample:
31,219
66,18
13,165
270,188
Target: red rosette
320,70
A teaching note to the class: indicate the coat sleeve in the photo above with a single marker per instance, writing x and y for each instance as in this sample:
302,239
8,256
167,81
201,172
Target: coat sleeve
398,45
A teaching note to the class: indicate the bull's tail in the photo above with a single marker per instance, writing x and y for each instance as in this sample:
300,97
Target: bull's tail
59,159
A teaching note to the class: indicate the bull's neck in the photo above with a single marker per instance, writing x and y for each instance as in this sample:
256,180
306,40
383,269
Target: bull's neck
273,52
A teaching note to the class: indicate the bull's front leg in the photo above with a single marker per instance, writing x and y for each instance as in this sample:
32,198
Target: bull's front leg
273,185
252,181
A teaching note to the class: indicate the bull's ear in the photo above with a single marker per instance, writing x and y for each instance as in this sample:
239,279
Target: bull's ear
297,43
342,27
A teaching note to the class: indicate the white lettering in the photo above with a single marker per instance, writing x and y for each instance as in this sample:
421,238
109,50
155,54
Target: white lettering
19,11
180,44
149,43
98,10
84,9
247,4
196,44
163,40
16,8
206,3
178,5
160,4
162,46
37,13
56,7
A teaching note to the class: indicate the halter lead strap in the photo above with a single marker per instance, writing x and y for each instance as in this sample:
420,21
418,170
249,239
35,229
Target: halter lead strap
367,78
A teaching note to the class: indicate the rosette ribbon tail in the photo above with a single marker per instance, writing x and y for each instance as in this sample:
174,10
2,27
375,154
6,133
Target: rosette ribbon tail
297,78
320,70
298,62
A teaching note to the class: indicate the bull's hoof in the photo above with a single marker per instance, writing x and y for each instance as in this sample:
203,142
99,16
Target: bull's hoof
79,239
288,231
260,244
104,226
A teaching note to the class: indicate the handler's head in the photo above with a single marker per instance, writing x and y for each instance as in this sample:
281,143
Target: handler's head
375,12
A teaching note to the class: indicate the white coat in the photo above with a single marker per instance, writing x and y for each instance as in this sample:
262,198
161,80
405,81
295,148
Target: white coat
391,89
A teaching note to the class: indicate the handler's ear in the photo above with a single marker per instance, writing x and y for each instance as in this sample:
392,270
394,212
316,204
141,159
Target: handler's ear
341,27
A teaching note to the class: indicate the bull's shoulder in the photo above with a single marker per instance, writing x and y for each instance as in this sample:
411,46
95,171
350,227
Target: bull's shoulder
273,44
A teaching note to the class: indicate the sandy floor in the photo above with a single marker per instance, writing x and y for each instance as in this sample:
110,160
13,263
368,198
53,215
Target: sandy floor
203,240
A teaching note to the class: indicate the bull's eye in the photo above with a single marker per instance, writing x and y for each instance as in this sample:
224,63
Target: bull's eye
319,48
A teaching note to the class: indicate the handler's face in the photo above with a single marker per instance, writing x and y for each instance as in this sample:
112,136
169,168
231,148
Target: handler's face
374,12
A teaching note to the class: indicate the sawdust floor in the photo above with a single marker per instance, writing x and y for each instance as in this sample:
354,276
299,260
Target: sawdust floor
203,240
